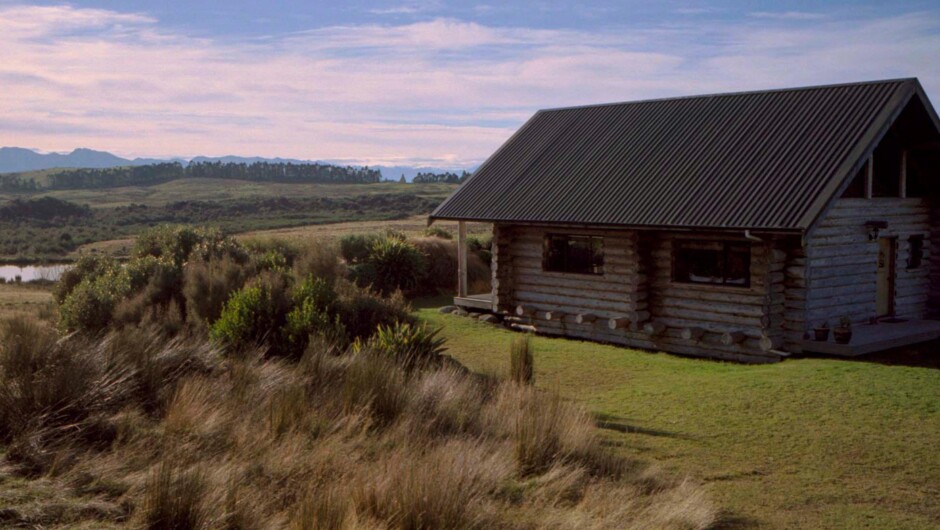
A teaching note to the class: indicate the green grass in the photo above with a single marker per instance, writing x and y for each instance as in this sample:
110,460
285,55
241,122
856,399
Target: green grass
807,443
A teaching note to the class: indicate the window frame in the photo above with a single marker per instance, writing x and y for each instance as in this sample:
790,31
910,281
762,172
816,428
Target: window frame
726,249
912,263
597,268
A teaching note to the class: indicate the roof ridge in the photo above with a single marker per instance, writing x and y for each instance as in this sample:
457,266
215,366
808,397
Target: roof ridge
898,80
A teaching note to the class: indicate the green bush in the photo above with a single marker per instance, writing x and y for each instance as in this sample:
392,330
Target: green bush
314,313
481,246
409,344
399,265
271,260
179,243
356,248
90,306
255,315
87,266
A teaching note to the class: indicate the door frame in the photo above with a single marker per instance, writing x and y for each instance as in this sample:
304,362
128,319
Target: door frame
891,276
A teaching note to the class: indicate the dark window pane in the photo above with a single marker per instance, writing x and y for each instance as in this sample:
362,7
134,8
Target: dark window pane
713,262
916,257
738,265
574,254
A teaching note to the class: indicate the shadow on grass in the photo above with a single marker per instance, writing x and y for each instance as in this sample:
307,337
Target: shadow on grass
430,302
923,355
616,423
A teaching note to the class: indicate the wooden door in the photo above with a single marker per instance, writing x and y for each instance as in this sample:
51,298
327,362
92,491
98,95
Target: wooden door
887,256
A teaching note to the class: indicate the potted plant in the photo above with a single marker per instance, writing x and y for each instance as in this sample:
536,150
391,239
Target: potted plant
822,331
843,333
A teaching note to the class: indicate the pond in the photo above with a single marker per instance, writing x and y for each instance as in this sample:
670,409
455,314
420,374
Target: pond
28,273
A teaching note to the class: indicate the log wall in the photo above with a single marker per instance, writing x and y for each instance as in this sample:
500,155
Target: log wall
636,303
841,260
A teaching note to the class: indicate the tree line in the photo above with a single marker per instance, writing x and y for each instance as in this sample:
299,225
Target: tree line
438,178
88,178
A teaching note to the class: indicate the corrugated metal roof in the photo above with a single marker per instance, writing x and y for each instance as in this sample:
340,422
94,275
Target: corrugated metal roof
758,160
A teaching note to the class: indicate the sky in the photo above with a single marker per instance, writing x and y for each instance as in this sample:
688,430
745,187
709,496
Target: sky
435,83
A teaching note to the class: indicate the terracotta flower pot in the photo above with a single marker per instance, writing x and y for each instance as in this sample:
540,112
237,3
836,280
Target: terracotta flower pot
822,334
842,335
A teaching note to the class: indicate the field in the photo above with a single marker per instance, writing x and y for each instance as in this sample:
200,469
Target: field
807,443
117,214
224,190
411,226
24,299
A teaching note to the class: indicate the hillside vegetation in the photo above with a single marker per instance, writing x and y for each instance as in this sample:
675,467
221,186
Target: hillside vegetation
51,225
209,384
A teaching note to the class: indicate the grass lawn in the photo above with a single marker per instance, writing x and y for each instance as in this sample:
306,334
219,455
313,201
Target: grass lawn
807,443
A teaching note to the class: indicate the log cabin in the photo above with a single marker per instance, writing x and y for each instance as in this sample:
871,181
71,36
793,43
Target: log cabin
726,226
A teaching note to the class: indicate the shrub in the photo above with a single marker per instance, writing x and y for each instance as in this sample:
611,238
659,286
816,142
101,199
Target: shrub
441,273
356,248
86,266
157,283
362,311
90,306
320,259
521,365
271,260
481,246
290,250
178,243
254,315
398,265
409,344
207,285
438,231
314,313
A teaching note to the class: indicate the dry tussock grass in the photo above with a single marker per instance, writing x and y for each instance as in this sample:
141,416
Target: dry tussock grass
170,433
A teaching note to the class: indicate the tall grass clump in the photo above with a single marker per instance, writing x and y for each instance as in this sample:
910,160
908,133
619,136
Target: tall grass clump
175,499
521,362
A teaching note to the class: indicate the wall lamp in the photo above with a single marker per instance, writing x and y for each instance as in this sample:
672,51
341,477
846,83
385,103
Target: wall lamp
874,227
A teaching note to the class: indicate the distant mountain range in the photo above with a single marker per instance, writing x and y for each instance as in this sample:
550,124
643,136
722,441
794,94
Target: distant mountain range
18,159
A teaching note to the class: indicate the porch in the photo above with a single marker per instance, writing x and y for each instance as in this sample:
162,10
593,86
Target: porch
871,338
482,301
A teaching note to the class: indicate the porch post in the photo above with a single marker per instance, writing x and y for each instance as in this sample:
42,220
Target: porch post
869,176
903,185
461,259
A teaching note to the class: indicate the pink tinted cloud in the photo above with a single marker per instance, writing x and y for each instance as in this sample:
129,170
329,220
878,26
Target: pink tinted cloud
429,92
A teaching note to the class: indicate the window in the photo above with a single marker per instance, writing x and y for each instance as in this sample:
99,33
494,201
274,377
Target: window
575,254
712,262
916,247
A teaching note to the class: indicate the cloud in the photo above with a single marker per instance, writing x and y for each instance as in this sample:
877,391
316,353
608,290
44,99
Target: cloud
439,91
788,15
